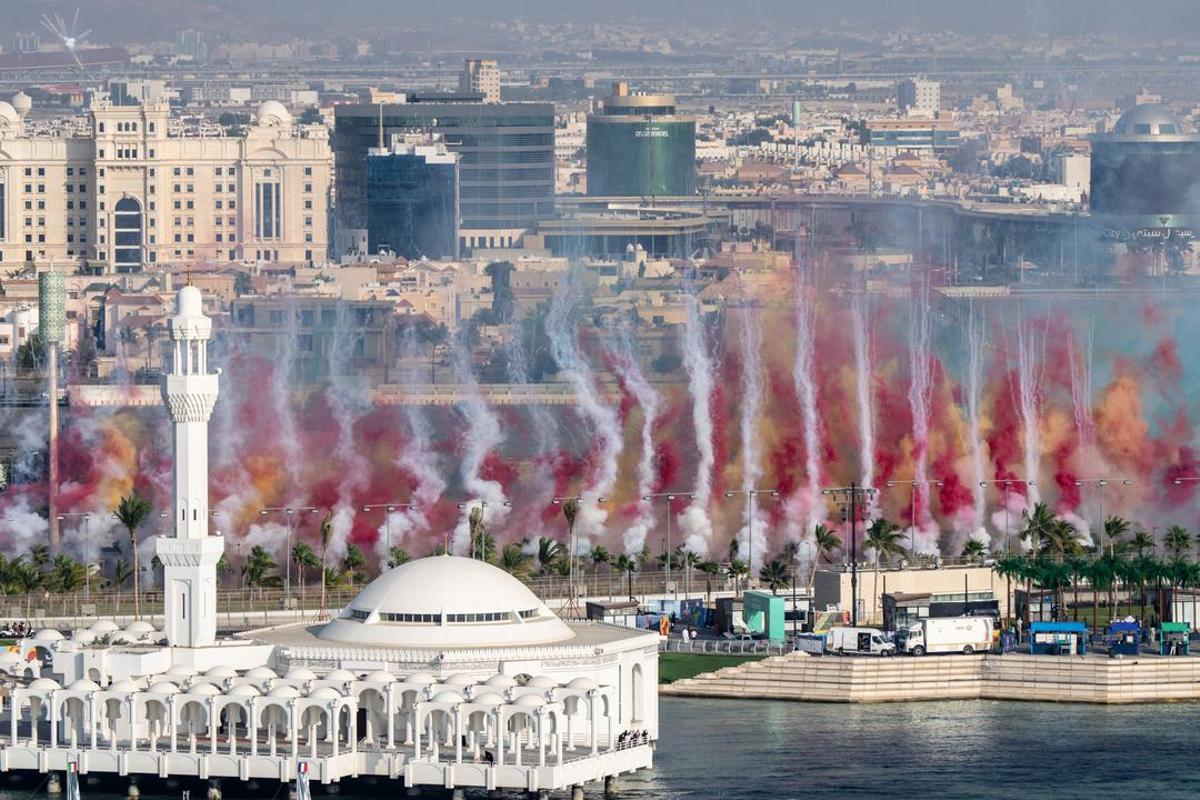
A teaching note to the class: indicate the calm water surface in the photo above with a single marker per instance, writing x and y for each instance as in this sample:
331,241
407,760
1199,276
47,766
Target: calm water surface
974,750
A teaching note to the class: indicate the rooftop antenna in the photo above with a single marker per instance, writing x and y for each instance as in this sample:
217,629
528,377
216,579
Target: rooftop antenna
381,125
69,35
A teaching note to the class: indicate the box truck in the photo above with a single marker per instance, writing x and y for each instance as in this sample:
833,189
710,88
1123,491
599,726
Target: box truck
949,635
859,640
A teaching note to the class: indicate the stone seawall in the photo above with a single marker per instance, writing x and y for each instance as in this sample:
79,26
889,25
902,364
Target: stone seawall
1063,679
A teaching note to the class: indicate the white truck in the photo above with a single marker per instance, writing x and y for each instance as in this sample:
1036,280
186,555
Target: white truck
859,640
948,635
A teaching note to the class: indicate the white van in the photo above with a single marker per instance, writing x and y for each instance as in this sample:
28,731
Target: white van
859,640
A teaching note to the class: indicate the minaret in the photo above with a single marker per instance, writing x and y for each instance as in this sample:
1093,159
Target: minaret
190,556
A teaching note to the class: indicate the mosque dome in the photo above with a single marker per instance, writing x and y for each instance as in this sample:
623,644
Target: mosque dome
260,673
204,689
84,685
125,686
189,302
104,626
8,114
163,687
500,681
420,679
139,628
379,676
488,699
48,635
43,684
1147,120
272,112
21,103
243,690
220,672
339,676
284,691
324,693
300,674
446,602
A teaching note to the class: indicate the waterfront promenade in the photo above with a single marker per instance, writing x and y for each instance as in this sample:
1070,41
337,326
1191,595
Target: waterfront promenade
1058,679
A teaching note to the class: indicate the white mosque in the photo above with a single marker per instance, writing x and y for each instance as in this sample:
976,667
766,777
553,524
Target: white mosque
443,672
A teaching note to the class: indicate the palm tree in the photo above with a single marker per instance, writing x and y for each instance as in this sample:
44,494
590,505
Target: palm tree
629,566
396,557
25,578
1010,566
1141,542
689,561
885,539
1177,541
600,556
774,574
1102,576
826,542
514,561
132,512
1038,524
65,574
305,559
352,563
974,550
258,567
709,568
737,570
326,536
549,552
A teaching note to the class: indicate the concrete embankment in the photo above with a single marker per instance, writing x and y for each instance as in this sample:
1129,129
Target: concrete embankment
1063,679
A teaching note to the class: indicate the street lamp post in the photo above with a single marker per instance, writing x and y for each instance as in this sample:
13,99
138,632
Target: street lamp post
483,504
750,495
912,501
849,496
289,512
1006,483
670,498
573,572
1100,483
391,508
87,545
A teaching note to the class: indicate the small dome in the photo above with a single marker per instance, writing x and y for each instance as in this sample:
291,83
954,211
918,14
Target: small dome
460,679
542,682
163,687
261,673
124,686
284,691
204,689
340,675
501,681
21,103
272,112
104,626
244,690
530,701
300,674
48,635
139,628
44,684
220,672
379,676
488,699
182,671
8,114
420,679
582,683
84,636
189,302
84,685
1147,120
447,697
324,693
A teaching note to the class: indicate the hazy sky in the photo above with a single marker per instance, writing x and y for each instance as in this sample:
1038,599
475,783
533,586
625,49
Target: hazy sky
114,19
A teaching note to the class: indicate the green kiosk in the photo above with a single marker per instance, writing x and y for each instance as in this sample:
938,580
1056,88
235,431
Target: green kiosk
763,613
1174,639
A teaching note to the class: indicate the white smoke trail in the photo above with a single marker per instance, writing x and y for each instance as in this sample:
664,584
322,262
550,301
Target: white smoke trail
1029,361
806,501
545,429
347,396
418,460
694,520
752,538
866,405
1081,394
560,327
626,366
482,437
976,340
919,390
21,526
282,399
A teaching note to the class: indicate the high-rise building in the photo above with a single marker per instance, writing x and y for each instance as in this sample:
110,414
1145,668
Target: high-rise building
505,155
412,200
919,96
193,44
481,76
137,191
639,146
26,42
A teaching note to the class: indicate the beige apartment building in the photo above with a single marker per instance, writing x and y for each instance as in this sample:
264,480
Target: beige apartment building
138,191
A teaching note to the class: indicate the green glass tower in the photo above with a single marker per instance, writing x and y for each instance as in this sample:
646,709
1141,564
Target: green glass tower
639,146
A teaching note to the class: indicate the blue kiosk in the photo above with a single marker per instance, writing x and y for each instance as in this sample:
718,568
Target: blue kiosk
1123,638
1057,638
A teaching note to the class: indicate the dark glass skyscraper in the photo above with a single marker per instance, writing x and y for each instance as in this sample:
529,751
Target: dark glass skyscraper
505,151
638,146
412,202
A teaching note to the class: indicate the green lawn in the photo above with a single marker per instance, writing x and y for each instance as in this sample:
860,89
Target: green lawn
676,666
